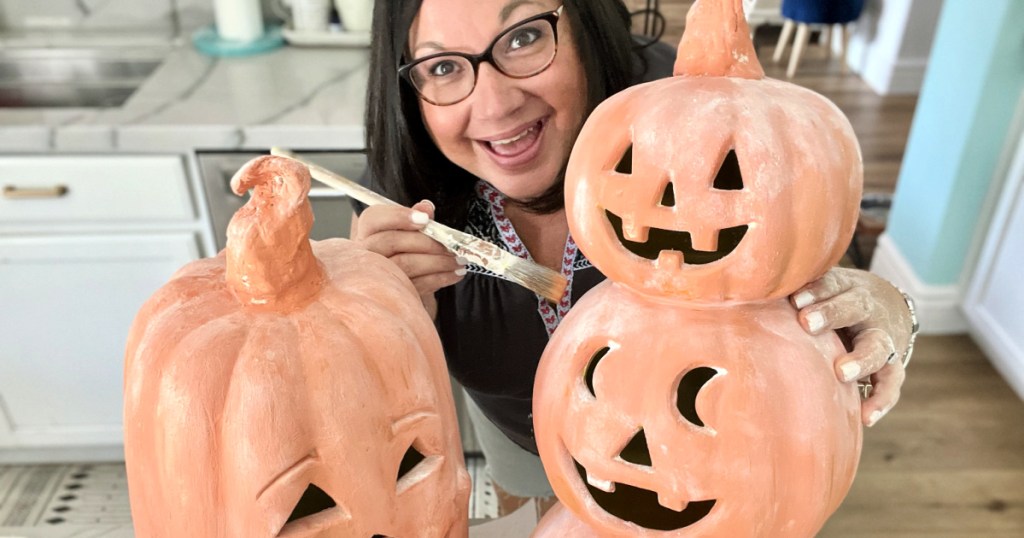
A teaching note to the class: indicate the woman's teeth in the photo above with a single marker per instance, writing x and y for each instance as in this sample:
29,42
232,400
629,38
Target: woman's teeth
514,138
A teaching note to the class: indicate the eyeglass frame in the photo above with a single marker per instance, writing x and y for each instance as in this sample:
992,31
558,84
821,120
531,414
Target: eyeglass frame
487,56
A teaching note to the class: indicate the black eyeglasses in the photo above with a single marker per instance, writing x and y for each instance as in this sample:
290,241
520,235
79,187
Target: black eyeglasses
521,51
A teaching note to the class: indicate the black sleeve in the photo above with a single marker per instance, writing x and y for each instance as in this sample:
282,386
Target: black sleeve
658,60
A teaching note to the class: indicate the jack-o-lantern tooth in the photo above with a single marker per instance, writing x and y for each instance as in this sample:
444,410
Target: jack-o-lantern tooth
669,259
704,238
671,503
633,231
606,486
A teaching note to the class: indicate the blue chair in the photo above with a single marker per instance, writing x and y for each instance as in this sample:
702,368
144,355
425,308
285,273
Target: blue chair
802,14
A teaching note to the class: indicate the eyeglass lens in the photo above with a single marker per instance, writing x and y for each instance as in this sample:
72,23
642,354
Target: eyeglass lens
522,51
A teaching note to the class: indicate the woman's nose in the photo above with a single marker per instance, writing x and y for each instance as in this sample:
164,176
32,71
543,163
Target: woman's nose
496,95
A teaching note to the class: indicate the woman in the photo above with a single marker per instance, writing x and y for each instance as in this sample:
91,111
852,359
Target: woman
474,105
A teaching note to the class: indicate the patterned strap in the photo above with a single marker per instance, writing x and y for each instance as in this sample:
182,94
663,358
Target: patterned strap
551,315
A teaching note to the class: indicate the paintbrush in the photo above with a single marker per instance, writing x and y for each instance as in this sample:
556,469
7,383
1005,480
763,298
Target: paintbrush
532,276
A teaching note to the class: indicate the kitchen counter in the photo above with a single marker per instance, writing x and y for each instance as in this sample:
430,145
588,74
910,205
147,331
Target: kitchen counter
292,97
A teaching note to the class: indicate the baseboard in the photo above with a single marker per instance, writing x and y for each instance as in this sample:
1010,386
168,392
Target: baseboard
938,307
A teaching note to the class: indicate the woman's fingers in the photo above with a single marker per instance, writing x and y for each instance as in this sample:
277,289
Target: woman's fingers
426,285
417,265
872,351
831,284
847,308
885,392
391,242
379,218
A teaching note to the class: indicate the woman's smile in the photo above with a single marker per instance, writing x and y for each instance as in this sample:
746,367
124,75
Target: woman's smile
517,148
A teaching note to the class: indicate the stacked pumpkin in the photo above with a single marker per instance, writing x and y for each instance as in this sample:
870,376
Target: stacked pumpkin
681,397
289,388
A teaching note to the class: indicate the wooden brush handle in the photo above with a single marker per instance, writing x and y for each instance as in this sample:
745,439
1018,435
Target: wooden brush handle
337,181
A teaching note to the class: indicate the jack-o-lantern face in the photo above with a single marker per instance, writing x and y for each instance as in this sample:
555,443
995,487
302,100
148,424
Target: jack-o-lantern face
289,390
656,419
714,188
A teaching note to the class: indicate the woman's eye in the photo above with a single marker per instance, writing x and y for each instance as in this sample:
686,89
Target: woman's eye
443,68
523,38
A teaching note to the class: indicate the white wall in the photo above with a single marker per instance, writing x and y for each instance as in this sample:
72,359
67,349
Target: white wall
891,43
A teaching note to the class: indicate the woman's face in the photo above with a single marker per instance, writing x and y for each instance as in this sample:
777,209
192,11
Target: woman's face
514,133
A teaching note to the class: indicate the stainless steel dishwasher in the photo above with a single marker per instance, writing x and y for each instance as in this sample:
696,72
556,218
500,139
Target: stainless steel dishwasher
332,213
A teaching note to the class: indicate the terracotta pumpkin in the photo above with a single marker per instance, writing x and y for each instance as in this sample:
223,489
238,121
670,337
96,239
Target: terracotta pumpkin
717,184
289,388
657,418
560,522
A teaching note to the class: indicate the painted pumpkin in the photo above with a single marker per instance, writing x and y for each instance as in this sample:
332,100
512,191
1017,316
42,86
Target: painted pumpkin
657,418
560,523
716,184
289,388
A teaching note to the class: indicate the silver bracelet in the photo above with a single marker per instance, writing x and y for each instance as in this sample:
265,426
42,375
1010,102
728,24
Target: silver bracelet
914,326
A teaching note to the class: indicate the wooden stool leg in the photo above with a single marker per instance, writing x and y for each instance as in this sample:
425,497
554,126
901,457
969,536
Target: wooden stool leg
844,47
780,47
826,40
803,34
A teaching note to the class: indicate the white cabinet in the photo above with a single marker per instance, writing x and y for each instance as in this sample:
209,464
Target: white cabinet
995,300
84,241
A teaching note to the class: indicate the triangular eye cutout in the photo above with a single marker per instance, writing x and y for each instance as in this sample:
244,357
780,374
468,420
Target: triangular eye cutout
668,198
410,460
729,177
636,451
313,501
625,165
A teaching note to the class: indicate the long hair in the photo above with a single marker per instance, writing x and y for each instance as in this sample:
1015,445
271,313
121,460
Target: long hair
403,160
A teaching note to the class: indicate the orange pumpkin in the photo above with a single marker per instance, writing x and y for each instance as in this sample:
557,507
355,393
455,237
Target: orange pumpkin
289,388
738,187
657,418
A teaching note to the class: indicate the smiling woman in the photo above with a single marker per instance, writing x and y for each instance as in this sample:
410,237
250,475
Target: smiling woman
474,107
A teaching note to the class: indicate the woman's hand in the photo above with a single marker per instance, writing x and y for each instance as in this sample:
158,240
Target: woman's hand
879,321
393,232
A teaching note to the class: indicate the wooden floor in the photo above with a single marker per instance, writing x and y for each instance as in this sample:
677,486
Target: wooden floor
948,461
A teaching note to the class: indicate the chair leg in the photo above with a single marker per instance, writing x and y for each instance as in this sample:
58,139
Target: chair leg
780,47
844,47
826,40
803,34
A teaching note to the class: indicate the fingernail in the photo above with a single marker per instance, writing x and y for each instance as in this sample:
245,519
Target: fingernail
419,217
431,204
876,416
815,321
803,299
461,272
851,371
461,261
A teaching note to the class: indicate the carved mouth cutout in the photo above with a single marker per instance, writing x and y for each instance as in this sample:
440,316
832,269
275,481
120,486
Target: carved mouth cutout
641,506
659,240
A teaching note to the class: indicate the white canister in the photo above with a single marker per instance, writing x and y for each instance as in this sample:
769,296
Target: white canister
310,15
238,20
356,15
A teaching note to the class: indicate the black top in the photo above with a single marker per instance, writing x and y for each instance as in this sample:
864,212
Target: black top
494,331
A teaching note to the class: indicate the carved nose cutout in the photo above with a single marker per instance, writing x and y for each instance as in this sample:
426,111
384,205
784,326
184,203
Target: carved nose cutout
729,177
410,460
588,375
625,165
689,387
636,450
668,198
312,502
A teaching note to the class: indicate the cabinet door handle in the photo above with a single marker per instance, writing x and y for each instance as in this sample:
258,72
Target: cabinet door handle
56,191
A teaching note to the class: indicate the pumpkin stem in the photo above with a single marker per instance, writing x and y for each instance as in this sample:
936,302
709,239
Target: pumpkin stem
269,257
716,42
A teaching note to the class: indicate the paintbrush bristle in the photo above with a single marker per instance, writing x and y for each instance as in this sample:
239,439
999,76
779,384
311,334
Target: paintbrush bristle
537,278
